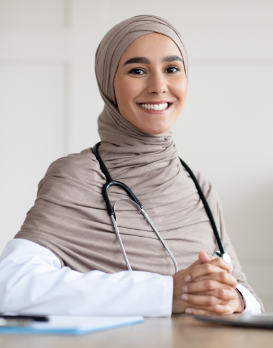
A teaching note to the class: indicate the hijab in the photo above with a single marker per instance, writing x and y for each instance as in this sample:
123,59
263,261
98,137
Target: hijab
69,216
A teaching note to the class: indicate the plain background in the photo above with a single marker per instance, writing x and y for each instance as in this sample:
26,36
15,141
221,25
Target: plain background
49,104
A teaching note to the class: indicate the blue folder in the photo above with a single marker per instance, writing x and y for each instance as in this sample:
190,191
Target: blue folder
71,325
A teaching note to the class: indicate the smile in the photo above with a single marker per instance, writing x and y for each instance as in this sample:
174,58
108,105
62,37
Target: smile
155,107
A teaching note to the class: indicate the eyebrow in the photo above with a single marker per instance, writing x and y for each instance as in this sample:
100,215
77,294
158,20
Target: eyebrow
138,60
145,60
172,59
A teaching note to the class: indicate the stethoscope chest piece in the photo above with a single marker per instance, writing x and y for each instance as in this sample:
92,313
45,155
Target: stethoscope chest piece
225,257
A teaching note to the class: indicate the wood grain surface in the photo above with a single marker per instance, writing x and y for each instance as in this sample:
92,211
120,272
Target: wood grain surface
154,333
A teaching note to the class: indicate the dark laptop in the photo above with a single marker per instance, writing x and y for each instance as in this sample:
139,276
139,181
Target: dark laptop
264,320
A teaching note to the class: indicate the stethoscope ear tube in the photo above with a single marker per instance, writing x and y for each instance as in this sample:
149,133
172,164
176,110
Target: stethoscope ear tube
95,151
110,182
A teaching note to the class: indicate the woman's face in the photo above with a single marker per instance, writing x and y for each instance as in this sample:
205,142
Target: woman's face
150,83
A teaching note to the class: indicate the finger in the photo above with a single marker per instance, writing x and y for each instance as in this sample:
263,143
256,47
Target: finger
205,285
218,261
216,310
221,294
199,300
195,263
222,277
201,270
193,311
203,257
213,266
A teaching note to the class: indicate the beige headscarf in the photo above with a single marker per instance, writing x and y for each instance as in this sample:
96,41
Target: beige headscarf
70,217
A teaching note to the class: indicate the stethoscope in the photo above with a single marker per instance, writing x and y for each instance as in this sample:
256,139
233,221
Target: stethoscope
136,203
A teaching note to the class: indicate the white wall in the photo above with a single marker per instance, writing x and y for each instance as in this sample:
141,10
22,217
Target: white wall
49,105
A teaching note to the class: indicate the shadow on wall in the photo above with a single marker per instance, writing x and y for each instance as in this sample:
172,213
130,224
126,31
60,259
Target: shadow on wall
250,226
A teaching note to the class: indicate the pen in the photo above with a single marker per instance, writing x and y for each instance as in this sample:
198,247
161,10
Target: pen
30,317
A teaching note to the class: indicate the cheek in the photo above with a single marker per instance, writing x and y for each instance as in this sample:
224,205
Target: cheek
127,89
179,90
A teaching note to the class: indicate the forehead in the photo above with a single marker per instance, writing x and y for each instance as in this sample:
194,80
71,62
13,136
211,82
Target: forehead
153,46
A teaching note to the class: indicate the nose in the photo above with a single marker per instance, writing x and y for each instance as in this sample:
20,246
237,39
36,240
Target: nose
157,83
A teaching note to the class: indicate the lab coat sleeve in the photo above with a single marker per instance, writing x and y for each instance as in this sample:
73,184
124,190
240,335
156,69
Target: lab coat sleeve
33,281
252,306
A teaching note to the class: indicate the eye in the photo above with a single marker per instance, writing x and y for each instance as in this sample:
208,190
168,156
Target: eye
172,70
136,71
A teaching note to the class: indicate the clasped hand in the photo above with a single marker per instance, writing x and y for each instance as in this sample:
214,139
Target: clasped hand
207,287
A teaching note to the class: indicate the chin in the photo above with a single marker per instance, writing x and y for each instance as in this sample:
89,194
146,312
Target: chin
158,125
156,130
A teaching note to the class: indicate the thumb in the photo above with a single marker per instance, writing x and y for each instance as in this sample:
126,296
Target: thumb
203,257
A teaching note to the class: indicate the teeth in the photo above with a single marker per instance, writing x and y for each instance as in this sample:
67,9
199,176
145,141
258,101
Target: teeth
162,106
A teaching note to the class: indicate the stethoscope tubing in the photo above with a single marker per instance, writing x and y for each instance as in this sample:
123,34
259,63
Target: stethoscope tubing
125,188
110,182
206,206
134,200
146,216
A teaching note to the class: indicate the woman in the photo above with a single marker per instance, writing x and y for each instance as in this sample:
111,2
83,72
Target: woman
67,260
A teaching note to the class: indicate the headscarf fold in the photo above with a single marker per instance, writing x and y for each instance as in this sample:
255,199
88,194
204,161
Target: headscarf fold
70,217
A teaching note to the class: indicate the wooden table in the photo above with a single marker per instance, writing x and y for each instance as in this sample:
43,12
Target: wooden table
154,333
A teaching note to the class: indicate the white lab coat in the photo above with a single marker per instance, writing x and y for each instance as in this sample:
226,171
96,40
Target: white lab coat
32,280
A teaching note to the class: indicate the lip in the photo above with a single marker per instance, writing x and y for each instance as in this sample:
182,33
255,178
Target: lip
155,102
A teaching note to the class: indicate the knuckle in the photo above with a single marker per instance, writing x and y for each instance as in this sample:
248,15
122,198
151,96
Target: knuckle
232,279
193,274
231,289
221,293
218,260
208,284
223,276
207,267
210,301
221,262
